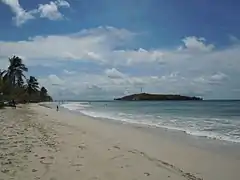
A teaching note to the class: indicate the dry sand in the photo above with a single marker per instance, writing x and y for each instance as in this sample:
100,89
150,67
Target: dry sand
40,143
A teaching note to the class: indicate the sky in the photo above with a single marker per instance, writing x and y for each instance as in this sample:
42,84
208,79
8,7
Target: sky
102,49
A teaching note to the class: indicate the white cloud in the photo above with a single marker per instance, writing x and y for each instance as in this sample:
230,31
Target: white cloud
196,44
50,11
234,39
95,44
114,73
100,44
55,80
99,86
21,16
68,72
62,3
216,78
197,68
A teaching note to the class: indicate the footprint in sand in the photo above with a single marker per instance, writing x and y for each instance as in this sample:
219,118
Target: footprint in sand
77,165
51,157
53,178
34,170
82,146
147,174
94,178
116,147
45,162
5,170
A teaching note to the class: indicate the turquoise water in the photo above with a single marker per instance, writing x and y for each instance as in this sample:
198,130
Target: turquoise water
211,119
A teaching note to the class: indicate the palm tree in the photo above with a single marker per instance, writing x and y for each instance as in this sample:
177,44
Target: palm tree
43,92
32,85
1,75
15,71
1,82
20,82
12,84
2,72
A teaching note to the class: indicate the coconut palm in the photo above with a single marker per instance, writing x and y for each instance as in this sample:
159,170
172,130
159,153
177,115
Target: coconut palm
13,87
43,92
20,81
32,85
15,71
2,72
1,82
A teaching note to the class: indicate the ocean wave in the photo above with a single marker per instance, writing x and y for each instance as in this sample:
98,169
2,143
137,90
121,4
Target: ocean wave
76,106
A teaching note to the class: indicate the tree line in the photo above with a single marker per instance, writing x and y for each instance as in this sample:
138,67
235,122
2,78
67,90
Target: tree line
14,85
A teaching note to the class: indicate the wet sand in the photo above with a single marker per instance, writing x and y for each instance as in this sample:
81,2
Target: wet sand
40,143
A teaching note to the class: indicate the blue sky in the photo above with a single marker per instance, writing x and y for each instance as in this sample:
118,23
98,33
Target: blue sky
99,49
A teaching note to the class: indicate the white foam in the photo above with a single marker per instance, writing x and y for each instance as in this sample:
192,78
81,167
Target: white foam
75,106
212,135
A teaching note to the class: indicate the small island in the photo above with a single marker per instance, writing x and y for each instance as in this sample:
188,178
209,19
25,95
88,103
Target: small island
157,97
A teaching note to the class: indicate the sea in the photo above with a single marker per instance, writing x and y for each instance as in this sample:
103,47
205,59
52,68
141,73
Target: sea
209,119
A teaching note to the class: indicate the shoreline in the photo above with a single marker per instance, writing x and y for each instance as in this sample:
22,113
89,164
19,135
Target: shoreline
209,135
219,146
61,145
191,136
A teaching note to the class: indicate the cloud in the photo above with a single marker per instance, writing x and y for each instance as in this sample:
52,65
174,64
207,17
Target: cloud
62,3
197,68
101,45
196,44
68,72
55,80
214,79
114,73
234,39
49,11
99,86
21,16
218,76
93,44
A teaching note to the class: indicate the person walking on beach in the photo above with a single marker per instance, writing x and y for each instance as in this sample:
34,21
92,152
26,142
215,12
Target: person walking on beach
57,107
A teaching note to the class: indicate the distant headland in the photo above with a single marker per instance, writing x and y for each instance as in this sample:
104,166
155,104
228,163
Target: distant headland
157,97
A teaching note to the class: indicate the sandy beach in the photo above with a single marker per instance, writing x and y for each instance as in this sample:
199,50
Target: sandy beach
39,143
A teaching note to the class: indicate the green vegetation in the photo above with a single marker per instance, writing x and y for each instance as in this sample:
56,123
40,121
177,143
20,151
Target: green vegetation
14,85
157,97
